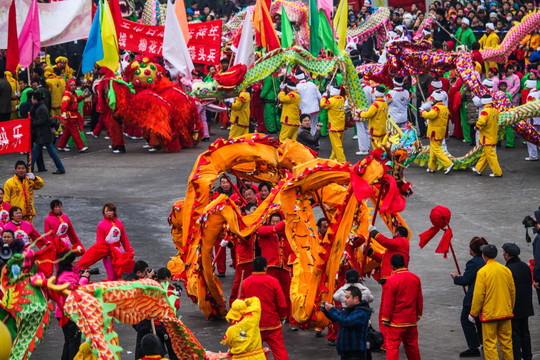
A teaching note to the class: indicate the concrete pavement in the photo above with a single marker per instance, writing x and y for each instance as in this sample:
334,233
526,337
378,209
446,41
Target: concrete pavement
145,185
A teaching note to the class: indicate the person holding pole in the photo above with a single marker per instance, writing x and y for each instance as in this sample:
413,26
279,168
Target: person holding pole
473,333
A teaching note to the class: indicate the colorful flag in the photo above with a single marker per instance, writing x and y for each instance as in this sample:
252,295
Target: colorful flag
29,38
13,43
327,6
314,39
287,33
326,34
245,54
340,24
108,38
175,49
180,10
93,51
265,34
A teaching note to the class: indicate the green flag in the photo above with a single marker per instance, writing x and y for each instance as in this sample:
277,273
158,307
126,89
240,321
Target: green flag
287,35
326,34
314,39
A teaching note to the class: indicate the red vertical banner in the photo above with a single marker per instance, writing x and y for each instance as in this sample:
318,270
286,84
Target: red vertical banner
15,136
205,42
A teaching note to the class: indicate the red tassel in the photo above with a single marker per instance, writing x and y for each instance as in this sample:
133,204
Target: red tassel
427,235
444,245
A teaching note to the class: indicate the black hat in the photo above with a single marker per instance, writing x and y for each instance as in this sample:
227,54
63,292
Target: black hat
490,251
151,345
511,249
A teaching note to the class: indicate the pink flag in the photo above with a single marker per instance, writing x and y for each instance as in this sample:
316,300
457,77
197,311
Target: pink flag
327,6
29,38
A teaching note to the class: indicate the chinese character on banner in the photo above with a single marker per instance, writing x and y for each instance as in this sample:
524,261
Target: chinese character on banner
15,136
205,42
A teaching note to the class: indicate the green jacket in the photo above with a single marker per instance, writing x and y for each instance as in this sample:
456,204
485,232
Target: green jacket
270,88
467,38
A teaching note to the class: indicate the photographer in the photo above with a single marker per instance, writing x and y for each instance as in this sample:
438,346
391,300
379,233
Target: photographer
536,253
10,246
353,325
68,272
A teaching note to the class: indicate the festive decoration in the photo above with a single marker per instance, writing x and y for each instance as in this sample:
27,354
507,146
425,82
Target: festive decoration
378,22
440,218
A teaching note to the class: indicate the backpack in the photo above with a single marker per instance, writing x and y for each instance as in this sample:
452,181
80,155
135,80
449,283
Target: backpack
375,339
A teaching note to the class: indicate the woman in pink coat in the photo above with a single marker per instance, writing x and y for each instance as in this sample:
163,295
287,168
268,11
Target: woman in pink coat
110,239
23,229
62,234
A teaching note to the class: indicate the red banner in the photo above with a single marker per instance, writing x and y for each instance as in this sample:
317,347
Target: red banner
15,136
204,43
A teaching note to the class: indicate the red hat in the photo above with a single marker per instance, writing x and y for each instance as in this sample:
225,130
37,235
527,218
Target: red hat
71,81
440,218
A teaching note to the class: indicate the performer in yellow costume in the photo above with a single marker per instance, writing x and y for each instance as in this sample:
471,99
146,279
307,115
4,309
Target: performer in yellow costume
15,90
377,115
437,118
57,86
19,191
65,70
240,111
488,124
290,113
490,40
243,337
335,104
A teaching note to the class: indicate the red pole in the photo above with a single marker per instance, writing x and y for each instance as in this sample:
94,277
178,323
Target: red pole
457,265
368,242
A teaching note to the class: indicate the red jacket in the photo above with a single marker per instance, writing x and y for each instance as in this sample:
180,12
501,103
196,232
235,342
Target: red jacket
397,245
273,304
402,302
70,102
274,245
63,234
245,249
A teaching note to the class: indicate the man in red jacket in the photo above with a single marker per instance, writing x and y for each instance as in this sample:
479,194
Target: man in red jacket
396,245
73,120
273,306
403,303
276,249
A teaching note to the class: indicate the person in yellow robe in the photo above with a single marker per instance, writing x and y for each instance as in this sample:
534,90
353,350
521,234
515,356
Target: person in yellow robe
437,118
243,337
488,125
490,40
19,190
529,44
57,86
335,104
290,112
240,111
65,71
15,91
377,115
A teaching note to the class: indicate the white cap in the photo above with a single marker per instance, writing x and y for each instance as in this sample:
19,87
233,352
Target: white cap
400,28
490,26
437,84
300,76
397,83
492,15
334,91
530,84
488,83
377,93
486,100
465,21
392,34
438,95
426,32
291,86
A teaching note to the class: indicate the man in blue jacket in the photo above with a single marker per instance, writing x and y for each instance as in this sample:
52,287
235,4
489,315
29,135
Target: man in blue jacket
473,333
353,325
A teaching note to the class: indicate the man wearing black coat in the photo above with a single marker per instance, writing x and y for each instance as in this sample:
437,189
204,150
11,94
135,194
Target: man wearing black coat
5,98
536,253
441,32
41,133
304,135
523,308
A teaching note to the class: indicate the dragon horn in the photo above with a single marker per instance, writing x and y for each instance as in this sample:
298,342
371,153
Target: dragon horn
49,283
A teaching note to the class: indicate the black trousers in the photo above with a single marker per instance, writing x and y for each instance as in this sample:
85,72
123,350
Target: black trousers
72,340
473,333
521,339
358,356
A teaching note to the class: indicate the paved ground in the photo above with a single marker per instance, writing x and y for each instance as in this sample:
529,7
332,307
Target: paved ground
144,186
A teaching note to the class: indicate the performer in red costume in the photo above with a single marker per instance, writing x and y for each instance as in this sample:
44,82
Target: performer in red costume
276,249
403,304
72,117
61,232
111,236
273,305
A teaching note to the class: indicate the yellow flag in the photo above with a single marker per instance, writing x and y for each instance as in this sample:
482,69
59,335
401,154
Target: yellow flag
109,40
340,24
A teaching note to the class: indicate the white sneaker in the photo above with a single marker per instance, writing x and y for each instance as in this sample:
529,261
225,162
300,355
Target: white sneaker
362,152
430,171
493,175
63,149
448,169
476,171
146,146
531,159
83,149
107,138
355,137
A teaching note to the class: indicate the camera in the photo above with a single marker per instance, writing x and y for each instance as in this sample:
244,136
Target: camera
323,305
5,252
528,221
93,271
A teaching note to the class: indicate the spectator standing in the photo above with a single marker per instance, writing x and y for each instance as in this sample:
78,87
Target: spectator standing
5,98
493,303
489,41
401,308
523,308
19,190
465,35
473,333
304,135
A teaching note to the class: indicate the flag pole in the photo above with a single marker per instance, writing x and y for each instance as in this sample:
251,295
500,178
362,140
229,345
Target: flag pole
457,265
29,155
